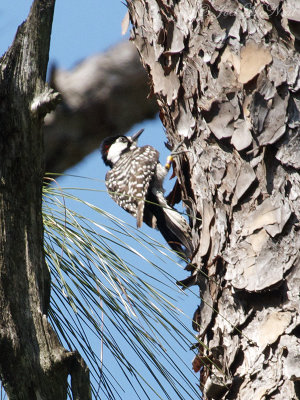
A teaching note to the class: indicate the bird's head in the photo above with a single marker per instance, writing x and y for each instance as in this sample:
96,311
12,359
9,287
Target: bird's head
113,147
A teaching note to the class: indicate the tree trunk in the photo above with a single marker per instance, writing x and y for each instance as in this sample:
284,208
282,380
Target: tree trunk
226,77
33,364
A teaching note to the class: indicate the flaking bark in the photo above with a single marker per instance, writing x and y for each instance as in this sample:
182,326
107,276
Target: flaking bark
226,77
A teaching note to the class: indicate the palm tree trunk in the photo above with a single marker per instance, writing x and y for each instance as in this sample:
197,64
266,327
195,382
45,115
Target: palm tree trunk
226,77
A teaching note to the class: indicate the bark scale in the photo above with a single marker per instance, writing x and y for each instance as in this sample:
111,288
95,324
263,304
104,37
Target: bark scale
226,76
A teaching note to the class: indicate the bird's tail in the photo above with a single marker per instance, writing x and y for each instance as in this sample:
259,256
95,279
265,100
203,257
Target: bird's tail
171,225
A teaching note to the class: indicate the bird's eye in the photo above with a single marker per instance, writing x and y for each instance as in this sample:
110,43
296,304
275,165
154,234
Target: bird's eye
122,139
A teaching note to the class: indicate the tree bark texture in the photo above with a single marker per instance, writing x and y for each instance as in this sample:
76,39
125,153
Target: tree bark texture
102,96
226,77
33,364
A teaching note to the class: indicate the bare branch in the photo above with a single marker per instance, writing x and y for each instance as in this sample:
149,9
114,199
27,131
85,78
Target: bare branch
104,95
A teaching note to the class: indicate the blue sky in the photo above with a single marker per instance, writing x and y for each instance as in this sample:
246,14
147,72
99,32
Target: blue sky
80,29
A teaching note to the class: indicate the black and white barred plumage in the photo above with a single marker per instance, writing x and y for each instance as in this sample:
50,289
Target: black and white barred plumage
135,182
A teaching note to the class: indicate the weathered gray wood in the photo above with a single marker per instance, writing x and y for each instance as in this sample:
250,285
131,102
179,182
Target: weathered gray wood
33,364
226,77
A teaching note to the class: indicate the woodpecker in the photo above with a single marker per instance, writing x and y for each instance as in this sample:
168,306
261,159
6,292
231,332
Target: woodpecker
135,182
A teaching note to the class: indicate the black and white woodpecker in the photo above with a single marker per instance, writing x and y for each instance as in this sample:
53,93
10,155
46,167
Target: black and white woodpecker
135,182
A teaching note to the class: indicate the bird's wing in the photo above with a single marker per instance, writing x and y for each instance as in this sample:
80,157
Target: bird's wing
129,188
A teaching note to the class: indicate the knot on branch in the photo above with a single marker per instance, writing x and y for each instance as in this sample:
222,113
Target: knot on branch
45,102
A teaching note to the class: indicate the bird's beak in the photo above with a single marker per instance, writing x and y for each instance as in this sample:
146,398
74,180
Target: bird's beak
135,137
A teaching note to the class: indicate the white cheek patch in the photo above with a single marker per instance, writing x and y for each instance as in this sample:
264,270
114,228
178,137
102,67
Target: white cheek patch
115,151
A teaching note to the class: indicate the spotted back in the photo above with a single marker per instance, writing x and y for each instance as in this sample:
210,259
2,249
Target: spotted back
128,181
